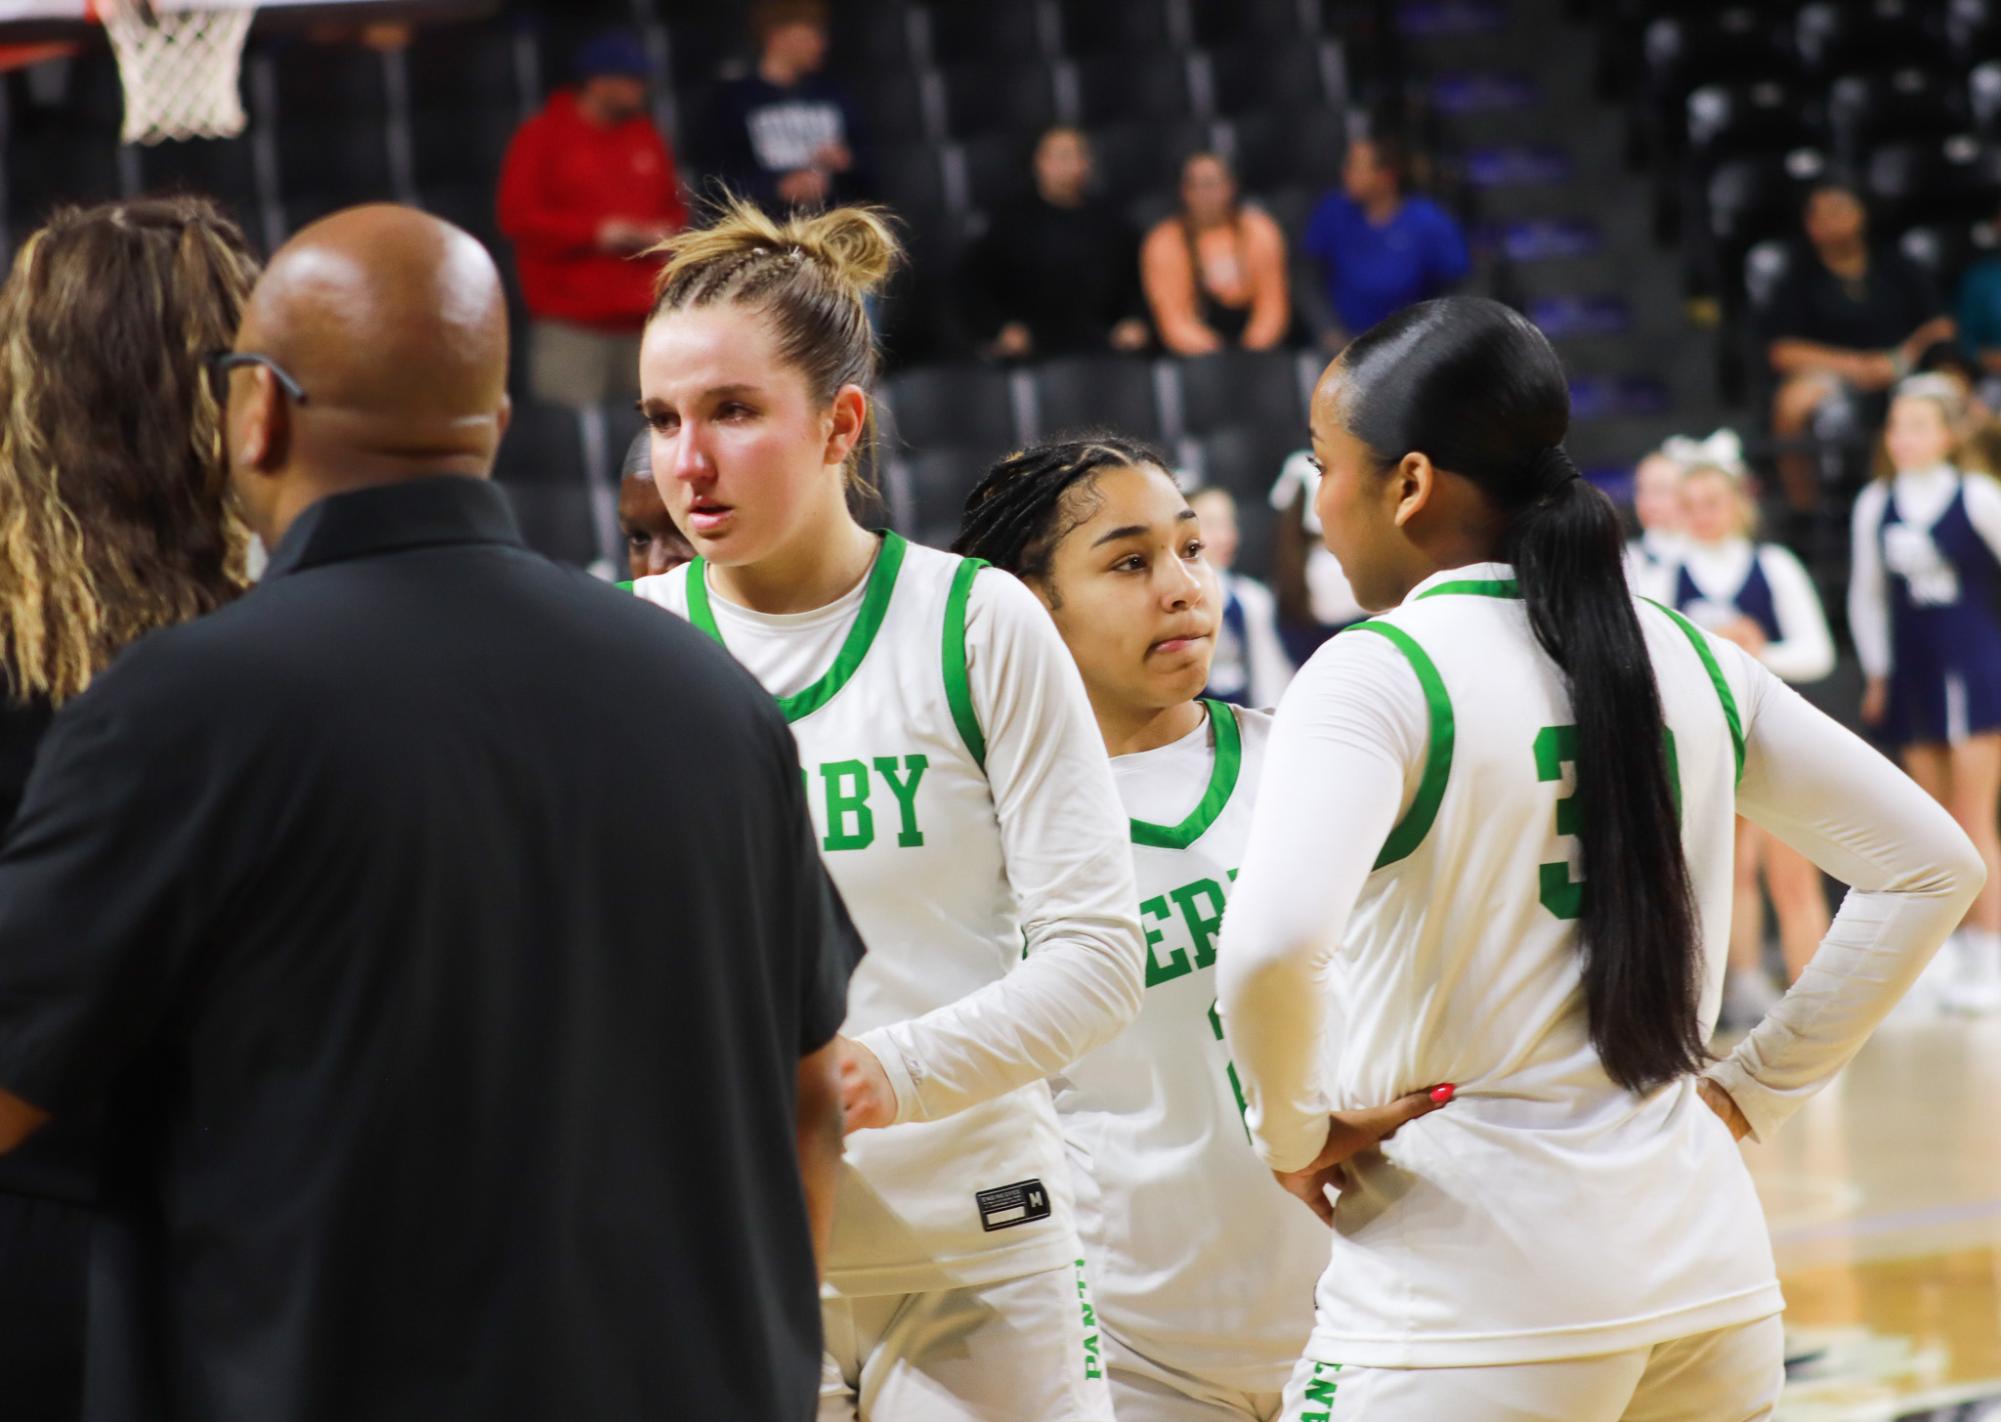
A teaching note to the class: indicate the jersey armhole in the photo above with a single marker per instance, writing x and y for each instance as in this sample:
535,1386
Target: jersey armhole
1716,679
958,687
1410,831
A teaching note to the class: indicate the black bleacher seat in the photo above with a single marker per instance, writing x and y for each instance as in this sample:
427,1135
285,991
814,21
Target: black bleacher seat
451,148
1751,199
1869,110
868,41
50,168
1765,267
1946,250
1112,27
1983,89
1973,30
1077,394
1288,146
1246,460
1237,387
966,405
1225,22
312,83
1286,74
934,484
1682,53
1143,85
220,167
1763,116
963,33
557,521
892,107
1139,160
544,445
466,67
1954,180
985,98
331,165
998,169
1854,39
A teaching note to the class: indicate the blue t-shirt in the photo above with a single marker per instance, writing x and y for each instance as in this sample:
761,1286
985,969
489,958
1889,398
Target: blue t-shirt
1980,306
1373,271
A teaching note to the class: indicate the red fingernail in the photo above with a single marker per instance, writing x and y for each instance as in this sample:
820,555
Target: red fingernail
1442,1093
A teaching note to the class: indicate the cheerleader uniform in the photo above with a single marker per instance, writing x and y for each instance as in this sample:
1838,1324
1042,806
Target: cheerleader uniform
1714,584
1925,602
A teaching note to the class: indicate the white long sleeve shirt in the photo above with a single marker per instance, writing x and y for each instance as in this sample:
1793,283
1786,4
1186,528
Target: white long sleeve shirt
996,900
1922,496
1546,1212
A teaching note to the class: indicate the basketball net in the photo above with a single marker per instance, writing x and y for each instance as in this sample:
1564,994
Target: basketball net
179,67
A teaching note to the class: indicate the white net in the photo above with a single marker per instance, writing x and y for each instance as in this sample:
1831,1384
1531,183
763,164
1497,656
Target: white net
179,68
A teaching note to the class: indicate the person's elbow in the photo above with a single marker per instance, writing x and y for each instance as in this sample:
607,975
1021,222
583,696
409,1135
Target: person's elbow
1964,868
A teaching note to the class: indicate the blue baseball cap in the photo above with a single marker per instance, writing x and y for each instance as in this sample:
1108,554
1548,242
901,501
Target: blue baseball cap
612,53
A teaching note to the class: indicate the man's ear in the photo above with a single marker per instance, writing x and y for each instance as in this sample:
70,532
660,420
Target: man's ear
263,430
1415,480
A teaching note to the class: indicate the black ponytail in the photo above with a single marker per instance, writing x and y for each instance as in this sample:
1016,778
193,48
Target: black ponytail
1016,515
1478,390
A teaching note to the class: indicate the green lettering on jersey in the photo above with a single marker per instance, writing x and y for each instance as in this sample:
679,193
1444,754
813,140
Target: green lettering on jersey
1320,1391
1201,926
1158,972
1555,745
847,802
909,836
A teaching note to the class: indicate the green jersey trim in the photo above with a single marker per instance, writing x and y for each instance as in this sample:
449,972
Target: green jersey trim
1474,587
1716,679
625,585
1416,823
958,688
861,636
1223,773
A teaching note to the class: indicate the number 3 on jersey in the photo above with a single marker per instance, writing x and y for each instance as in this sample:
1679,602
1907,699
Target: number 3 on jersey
1554,746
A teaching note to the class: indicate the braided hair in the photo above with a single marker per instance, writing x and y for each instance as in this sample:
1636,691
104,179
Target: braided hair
1017,515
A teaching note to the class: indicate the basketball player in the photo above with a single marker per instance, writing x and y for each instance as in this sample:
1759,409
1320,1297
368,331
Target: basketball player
966,812
1494,839
1204,1288
1925,606
1759,596
653,545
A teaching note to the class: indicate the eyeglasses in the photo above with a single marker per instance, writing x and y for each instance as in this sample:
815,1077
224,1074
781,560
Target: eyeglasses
220,363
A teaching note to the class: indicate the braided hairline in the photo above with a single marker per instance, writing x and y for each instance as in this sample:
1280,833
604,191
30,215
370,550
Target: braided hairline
757,274
1015,517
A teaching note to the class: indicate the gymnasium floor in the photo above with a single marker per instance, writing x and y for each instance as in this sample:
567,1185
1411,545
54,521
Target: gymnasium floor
1884,1198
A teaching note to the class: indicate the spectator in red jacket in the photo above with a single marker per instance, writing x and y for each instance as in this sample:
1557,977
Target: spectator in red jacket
588,184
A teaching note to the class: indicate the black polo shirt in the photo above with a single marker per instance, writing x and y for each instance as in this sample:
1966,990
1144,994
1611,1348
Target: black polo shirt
445,928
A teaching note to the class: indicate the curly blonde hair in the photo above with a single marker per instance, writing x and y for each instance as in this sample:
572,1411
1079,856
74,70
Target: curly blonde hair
809,274
115,517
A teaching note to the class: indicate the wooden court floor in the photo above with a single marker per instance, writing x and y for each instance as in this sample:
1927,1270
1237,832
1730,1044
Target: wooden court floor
1884,1200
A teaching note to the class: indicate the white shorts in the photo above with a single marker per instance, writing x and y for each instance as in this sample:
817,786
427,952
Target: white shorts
1731,1375
1027,1347
1146,1391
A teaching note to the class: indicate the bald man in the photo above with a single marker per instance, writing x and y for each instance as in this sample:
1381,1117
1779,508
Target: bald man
347,903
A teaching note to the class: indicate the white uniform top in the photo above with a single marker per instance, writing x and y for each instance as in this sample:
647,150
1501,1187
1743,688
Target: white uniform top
1922,496
1804,649
1198,1260
968,816
1408,896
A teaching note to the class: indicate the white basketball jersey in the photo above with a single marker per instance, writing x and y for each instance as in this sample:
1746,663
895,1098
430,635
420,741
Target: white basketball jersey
1504,1228
893,758
1199,1261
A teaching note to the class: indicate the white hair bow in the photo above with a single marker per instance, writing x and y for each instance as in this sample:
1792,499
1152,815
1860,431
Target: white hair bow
1723,450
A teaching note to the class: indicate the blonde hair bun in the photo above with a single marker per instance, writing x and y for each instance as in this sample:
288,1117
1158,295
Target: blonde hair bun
855,248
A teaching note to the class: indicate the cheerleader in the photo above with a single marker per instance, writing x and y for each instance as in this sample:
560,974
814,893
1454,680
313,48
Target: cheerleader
1758,596
1922,602
1650,558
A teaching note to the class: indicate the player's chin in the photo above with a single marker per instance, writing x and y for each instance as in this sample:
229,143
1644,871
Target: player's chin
1180,671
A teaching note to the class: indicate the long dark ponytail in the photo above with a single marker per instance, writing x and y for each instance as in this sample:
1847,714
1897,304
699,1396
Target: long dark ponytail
1476,388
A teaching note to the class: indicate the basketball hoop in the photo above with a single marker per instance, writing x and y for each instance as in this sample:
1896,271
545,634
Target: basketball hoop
179,66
